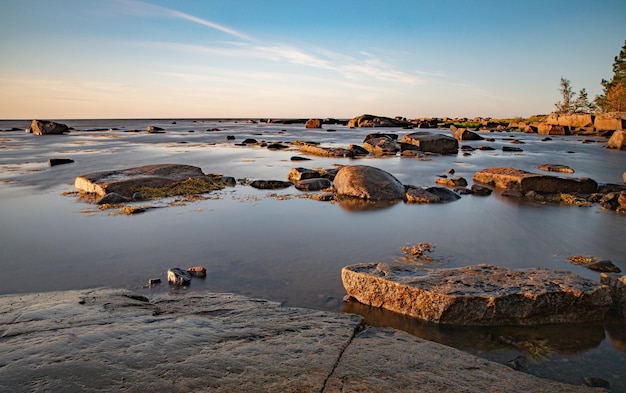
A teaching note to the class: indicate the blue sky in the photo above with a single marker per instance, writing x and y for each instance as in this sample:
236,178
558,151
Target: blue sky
249,58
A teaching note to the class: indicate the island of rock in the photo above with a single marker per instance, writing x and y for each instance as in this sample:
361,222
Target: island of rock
485,295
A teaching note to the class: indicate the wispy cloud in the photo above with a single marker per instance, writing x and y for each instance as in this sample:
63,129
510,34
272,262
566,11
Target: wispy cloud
365,67
140,7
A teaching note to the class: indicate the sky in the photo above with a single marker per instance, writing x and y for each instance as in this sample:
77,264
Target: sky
71,59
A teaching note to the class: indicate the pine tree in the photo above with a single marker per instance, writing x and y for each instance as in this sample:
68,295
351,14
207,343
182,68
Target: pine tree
581,103
614,97
567,93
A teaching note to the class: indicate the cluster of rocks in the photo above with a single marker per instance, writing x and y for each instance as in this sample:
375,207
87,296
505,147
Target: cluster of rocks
181,277
485,295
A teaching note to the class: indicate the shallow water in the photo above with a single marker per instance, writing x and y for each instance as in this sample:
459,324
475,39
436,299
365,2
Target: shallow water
275,245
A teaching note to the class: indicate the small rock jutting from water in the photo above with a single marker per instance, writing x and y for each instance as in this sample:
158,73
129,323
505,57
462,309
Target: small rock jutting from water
59,161
178,276
197,271
45,127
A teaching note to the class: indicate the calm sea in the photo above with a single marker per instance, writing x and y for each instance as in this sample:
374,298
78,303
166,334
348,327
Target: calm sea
279,246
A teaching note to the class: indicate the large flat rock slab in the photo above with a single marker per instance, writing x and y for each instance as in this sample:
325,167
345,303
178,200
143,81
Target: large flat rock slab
483,295
522,181
429,142
109,340
125,181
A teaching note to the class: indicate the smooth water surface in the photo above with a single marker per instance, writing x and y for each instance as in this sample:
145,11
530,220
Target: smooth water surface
279,246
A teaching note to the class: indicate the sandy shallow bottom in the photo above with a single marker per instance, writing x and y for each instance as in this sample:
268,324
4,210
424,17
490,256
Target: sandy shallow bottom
276,245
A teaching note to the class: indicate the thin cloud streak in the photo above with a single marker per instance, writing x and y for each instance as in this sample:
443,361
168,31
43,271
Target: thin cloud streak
151,9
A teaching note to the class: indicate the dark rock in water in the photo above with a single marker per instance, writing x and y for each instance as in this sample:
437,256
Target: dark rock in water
605,266
178,276
153,128
486,148
477,189
59,161
520,363
479,295
508,192
112,199
277,146
596,382
367,182
419,195
448,182
324,196
512,149
429,142
381,145
154,281
299,158
230,137
137,196
329,174
44,127
358,150
297,174
228,181
555,168
444,194
249,141
610,201
617,286
376,135
270,184
315,184
126,181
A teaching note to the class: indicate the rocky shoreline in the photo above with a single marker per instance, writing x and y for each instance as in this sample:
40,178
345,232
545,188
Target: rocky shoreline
109,340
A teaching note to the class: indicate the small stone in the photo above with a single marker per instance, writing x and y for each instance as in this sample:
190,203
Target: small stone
112,199
137,196
481,190
604,266
511,149
299,158
450,171
324,196
229,181
596,382
230,137
178,276
154,281
519,363
277,146
59,161
197,271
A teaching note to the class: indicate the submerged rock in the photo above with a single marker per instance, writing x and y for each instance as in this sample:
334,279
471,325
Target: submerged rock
484,295
315,184
366,182
555,168
270,184
522,181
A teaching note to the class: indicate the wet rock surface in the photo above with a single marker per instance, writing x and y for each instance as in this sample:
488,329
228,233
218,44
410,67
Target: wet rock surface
366,182
522,181
485,295
45,127
110,340
126,181
429,142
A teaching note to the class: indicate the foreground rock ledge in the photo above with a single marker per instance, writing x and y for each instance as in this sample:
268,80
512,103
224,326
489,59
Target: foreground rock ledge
112,340
483,295
125,181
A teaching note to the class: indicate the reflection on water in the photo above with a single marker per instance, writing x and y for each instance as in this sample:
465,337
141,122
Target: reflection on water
292,250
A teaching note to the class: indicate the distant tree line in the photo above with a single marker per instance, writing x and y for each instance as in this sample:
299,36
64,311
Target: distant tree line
613,98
